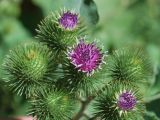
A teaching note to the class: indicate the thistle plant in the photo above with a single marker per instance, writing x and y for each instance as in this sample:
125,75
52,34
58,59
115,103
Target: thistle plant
62,69
60,30
123,103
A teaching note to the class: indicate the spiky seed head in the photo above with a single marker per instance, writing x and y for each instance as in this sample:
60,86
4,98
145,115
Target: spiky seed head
68,20
80,83
128,66
87,57
54,105
29,66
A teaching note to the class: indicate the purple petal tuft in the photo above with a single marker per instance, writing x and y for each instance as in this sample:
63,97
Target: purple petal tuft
86,57
68,20
126,101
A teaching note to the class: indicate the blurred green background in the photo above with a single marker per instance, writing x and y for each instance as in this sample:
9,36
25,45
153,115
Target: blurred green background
115,23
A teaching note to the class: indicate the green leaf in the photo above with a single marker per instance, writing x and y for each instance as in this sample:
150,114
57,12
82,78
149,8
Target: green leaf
87,8
11,33
150,116
53,5
157,80
89,12
9,7
154,106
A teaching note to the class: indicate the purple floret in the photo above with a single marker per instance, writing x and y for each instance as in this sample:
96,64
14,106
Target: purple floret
68,20
126,101
86,57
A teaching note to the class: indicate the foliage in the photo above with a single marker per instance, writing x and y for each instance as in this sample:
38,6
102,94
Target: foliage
35,69
121,23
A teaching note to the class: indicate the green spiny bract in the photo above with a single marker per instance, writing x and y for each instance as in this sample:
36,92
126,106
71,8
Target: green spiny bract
81,83
128,66
53,105
29,67
84,69
55,36
106,106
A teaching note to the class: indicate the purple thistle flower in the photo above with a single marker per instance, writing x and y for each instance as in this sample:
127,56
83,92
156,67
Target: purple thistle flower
86,57
126,101
68,20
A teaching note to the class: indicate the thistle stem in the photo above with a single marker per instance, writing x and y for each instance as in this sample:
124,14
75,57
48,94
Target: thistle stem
86,116
155,97
83,108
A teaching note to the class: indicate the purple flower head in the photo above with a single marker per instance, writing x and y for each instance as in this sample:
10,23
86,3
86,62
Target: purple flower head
86,57
126,101
68,20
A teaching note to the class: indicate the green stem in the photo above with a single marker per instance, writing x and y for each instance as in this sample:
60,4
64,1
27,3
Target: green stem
83,108
152,98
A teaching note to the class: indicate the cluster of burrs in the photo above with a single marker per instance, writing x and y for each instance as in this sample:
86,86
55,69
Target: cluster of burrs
62,67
